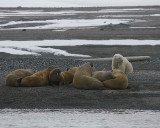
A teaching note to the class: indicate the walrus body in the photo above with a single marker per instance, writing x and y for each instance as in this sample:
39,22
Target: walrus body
103,75
13,77
41,78
66,78
120,81
83,78
72,70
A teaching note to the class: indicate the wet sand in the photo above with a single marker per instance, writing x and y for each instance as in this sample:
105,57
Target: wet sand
144,83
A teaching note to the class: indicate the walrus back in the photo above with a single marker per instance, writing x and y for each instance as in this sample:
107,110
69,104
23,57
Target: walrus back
120,82
83,78
72,70
67,77
37,79
87,82
103,75
13,78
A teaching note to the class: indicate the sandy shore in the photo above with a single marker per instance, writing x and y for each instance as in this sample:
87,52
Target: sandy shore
144,83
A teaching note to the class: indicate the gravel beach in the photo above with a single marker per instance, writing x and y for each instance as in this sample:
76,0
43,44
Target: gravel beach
144,84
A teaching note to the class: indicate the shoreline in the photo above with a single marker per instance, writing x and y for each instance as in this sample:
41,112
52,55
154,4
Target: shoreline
143,92
144,84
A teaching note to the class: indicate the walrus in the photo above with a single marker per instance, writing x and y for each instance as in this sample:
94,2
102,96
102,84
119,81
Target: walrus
54,76
72,70
66,78
103,75
44,77
120,81
83,78
13,78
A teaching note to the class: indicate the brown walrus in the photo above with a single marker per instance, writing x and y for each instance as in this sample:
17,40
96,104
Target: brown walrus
83,78
120,81
66,78
72,70
13,78
54,76
41,78
103,75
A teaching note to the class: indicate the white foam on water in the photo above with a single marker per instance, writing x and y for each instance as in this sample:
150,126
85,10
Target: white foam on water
81,118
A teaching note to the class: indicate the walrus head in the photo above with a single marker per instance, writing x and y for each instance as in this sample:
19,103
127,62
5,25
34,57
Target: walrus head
110,75
72,70
88,67
19,82
54,76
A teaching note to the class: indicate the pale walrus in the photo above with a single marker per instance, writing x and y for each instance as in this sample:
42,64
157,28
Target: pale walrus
103,75
83,78
41,78
13,78
120,81
66,78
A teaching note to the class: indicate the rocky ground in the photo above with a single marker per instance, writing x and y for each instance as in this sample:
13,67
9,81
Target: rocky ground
144,83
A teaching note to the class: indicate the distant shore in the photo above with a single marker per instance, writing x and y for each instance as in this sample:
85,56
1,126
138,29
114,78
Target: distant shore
143,23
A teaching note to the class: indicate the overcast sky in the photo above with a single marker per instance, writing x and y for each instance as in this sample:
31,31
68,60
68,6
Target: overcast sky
76,3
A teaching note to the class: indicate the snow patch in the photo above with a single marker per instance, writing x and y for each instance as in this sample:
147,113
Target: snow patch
155,15
122,16
65,23
36,47
143,27
34,13
16,51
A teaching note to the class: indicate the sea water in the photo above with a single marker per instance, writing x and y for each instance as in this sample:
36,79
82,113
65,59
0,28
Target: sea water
78,118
